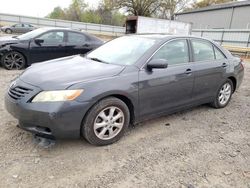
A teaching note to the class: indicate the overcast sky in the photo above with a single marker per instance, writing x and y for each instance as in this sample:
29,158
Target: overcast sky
37,8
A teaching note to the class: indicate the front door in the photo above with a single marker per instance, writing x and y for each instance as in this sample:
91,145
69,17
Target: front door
53,46
162,90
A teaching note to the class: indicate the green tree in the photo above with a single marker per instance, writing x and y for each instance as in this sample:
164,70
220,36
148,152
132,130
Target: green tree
156,8
57,13
91,16
169,8
76,9
109,13
138,7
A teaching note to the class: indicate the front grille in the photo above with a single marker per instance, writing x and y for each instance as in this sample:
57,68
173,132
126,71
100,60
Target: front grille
18,92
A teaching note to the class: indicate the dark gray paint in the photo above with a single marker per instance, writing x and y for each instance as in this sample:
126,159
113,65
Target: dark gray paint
151,93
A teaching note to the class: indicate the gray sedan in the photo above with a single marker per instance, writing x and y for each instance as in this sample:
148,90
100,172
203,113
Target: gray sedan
18,28
125,81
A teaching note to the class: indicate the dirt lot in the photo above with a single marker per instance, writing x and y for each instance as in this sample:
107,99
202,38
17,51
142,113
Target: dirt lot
202,147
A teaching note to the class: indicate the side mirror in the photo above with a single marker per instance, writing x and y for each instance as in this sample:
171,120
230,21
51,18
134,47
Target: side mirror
157,64
39,41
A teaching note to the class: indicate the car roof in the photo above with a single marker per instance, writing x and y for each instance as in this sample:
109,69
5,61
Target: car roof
56,28
161,37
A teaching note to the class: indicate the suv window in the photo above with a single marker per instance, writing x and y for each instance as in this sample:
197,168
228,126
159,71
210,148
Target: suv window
76,38
175,52
203,50
53,37
219,54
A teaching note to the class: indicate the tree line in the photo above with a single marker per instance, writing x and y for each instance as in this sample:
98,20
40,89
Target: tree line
114,12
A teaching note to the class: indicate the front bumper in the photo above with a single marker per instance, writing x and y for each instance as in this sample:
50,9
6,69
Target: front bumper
47,119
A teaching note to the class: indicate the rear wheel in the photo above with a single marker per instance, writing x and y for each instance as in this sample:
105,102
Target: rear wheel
106,122
223,95
9,31
13,60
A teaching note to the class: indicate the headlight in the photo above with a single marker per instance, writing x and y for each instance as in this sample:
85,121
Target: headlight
55,96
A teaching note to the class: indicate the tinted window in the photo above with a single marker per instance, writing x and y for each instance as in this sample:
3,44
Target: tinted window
203,50
76,38
53,37
174,52
218,54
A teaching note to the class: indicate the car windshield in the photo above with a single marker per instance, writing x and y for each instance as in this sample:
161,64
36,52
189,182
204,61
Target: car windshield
31,34
123,51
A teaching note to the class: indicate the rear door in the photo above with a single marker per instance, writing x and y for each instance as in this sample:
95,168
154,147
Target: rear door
26,28
53,46
17,28
77,43
210,68
162,90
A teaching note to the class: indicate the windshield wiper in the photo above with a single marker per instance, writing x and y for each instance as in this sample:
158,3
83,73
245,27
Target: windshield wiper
98,60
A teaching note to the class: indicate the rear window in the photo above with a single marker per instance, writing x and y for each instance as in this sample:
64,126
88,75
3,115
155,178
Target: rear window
203,50
218,54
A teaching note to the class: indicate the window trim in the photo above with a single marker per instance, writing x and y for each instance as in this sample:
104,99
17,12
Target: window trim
189,52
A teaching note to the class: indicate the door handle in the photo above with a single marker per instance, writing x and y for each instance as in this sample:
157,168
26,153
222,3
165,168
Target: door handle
224,65
188,71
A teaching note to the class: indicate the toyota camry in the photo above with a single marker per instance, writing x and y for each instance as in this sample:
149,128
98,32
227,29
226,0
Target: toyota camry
127,80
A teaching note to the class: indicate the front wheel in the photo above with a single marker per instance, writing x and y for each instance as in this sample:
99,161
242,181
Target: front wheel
13,60
106,122
9,31
224,95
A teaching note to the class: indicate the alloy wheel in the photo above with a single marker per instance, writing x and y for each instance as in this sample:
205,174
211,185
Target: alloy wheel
225,93
109,122
14,60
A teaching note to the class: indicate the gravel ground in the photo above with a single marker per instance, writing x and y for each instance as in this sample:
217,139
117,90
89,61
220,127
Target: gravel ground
201,147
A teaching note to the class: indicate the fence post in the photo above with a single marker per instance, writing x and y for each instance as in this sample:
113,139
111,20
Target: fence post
248,41
222,37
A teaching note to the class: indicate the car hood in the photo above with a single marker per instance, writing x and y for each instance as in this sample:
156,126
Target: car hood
8,40
64,72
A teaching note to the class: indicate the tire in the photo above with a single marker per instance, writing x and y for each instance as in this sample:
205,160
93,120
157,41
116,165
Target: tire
13,60
9,31
100,127
223,95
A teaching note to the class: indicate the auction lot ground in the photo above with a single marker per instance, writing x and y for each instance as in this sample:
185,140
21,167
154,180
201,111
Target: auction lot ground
201,147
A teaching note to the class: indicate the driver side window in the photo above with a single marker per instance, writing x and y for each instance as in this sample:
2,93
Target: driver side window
175,52
55,37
